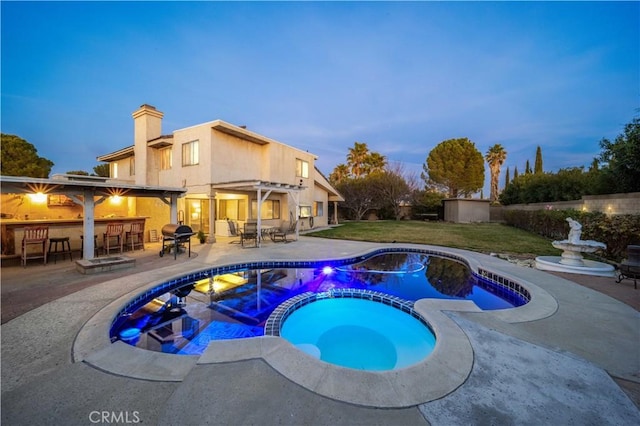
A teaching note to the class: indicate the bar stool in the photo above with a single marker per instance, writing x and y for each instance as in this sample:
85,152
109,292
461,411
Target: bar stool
64,249
95,246
34,235
114,230
135,235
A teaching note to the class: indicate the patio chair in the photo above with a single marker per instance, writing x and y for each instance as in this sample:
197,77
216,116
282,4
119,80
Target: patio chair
280,235
630,267
114,231
249,233
135,235
233,231
34,235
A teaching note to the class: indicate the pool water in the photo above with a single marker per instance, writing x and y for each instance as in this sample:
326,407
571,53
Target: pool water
359,334
236,304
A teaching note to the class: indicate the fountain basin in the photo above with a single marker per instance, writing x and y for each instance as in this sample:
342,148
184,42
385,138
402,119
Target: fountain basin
572,261
586,267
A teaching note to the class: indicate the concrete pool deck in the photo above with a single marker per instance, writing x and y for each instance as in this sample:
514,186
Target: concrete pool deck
553,370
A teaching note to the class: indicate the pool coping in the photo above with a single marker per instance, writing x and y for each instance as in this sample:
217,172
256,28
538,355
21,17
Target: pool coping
434,378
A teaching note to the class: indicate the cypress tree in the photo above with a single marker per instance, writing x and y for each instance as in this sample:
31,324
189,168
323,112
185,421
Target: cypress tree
537,168
515,173
527,169
507,178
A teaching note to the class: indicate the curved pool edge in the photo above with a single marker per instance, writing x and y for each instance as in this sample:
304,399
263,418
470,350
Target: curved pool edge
432,378
93,346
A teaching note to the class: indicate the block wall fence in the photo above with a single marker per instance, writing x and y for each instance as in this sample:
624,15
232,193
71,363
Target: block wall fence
613,204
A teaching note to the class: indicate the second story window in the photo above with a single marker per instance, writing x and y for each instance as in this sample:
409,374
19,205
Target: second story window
190,153
114,171
166,158
132,166
302,168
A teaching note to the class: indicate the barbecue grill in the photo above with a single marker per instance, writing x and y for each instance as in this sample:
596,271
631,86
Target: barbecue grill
176,236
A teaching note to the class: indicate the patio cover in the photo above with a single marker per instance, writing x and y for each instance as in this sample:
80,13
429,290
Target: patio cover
83,190
263,190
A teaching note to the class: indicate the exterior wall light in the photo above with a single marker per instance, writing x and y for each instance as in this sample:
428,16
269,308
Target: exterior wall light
38,197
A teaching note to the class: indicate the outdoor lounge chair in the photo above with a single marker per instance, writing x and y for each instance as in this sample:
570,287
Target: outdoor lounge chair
249,233
281,234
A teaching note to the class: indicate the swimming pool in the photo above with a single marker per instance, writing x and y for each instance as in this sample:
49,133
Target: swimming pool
184,315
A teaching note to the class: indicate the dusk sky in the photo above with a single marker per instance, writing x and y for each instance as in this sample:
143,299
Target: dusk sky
401,77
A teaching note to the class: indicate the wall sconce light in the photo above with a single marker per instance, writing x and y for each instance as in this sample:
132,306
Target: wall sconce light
38,197
115,199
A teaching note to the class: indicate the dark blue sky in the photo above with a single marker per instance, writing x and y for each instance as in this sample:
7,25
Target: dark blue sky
401,77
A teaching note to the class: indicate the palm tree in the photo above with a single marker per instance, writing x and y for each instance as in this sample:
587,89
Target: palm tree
340,173
357,158
495,157
375,162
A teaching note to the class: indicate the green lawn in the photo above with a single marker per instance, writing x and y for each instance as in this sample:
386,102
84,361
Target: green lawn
480,237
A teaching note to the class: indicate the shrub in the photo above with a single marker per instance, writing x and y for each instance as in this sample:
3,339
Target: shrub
617,232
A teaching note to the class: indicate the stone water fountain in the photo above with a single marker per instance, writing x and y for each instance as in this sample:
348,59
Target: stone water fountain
571,259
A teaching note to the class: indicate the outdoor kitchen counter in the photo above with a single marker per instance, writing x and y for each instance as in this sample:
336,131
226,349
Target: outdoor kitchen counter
11,230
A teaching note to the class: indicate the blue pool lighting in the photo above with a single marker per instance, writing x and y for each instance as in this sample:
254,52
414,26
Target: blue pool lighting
327,270
183,315
359,334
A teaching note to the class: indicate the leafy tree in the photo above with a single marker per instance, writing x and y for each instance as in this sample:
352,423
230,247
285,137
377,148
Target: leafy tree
495,157
20,158
102,170
621,159
426,201
456,166
360,196
568,184
391,189
537,167
616,170
78,172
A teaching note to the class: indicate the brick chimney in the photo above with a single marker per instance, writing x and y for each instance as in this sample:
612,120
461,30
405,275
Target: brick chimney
147,125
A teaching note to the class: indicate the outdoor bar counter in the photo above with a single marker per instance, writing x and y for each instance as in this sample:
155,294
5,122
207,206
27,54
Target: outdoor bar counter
12,230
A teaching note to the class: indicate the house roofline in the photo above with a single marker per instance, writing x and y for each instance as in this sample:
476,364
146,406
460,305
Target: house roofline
117,155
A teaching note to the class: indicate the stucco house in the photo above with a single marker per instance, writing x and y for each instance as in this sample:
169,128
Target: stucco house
229,172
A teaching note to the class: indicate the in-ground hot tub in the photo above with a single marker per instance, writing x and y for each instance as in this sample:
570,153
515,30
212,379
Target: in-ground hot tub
360,333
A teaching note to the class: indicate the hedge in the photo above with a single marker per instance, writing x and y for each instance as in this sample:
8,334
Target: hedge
617,232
